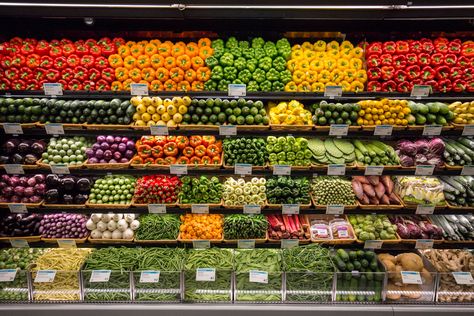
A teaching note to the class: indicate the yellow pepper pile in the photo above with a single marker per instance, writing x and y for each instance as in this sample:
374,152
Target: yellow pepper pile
155,111
383,112
315,66
289,113
464,112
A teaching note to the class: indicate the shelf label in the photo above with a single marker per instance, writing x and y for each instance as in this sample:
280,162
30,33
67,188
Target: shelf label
419,91
67,243
338,130
138,89
256,276
243,169
290,209
432,130
335,209
333,91
45,276
17,208
373,171
200,208
237,90
201,244
246,244
205,274
467,170
281,170
12,128
424,244
19,243
227,130
14,168
252,209
289,243
424,170
52,89
59,168
159,130
98,276
156,208
149,276
54,129
178,169
468,130
336,170
383,130
424,209
411,277
7,275
463,278
373,244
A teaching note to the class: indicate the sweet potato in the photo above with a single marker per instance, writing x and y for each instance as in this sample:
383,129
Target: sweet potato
361,179
379,190
385,200
369,190
365,200
374,180
357,188
393,198
388,183
374,201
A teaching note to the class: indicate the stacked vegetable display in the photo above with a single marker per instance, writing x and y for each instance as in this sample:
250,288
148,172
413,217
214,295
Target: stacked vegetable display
201,226
430,113
156,111
459,152
288,190
325,113
374,152
158,227
67,189
288,227
110,149
112,226
455,227
329,190
200,190
416,227
375,190
20,225
240,192
25,189
289,113
245,150
373,227
63,225
463,112
458,191
157,189
331,151
239,226
288,151
66,150
421,152
419,190
384,111
22,151
114,189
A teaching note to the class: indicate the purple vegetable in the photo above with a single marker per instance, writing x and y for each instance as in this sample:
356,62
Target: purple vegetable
422,146
103,161
129,154
130,145
110,139
11,145
420,159
403,231
31,182
7,191
14,181
122,147
124,140
29,192
406,147
19,191
96,146
99,154
406,161
112,161
107,155
114,147
118,139
117,155
23,181
123,160
100,139
89,153
436,162
436,146
35,199
40,178
40,189
38,147
93,160
104,146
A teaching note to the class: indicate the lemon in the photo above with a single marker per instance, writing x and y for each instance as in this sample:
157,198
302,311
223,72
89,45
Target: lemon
157,101
171,109
167,102
171,123
146,117
147,101
165,117
156,117
151,110
160,109
186,100
136,101
177,101
150,123
182,109
141,108
140,123
177,118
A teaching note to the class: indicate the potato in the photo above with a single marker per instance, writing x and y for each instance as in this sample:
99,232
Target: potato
413,291
393,296
389,266
386,256
410,262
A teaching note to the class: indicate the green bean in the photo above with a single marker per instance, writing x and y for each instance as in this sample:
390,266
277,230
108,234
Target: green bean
158,227
239,226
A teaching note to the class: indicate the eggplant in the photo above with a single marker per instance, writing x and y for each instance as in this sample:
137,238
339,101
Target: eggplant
17,158
68,199
38,147
81,198
83,184
67,184
52,196
24,146
11,145
30,159
52,181
4,159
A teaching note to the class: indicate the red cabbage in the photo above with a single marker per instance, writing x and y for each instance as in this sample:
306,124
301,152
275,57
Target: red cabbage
422,146
406,147
436,146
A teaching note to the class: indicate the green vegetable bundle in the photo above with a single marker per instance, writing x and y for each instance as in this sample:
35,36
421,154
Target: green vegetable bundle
287,190
335,113
373,227
217,112
329,190
245,150
68,150
114,189
288,151
258,64
200,190
158,227
332,151
240,226
375,153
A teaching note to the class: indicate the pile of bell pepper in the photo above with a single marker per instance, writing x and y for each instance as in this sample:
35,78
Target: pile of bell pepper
25,64
259,64
168,150
159,189
445,65
162,65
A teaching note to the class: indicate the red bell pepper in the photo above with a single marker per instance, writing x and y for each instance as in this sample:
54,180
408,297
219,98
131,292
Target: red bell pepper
389,86
400,76
470,86
440,40
468,73
212,150
415,47
95,50
12,74
26,73
442,72
450,60
118,41
454,47
101,62
16,41
373,61
5,84
46,62
80,73
387,72
27,49
444,85
399,61
32,84
200,150
65,41
386,60
55,52
13,50
413,72
182,160
88,85
182,142
102,85
148,140
171,139
67,74
389,47
427,46
374,49
93,74
33,60
18,85
402,47
404,86
437,59
63,83
424,59
18,61
107,50
441,47
42,48
87,61
60,63
455,73
427,73
467,50
68,49
374,73
73,61
82,50
108,74
143,150
90,42
463,61
459,85
6,62
40,74
53,75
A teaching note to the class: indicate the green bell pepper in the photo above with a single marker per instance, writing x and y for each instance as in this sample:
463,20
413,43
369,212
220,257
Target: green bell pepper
278,86
259,53
248,53
217,73
300,155
232,42
282,162
217,43
230,73
285,76
273,74
269,148
296,147
223,85
270,50
218,52
240,63
283,43
287,148
290,140
245,75
266,86
236,51
265,63
227,60
285,53
210,85
212,61
277,148
308,154
299,162
306,162
272,157
244,44
279,63
281,156
303,142
258,42
252,64
272,140
290,156
281,140
252,86
258,75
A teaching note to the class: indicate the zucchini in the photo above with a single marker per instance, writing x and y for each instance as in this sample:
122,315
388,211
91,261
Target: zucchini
359,145
458,186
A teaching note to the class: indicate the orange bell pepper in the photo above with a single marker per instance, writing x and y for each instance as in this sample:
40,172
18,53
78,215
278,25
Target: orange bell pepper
121,73
164,49
184,62
177,50
176,74
190,75
115,61
116,86
184,86
129,62
162,74
150,49
205,52
126,84
170,85
143,61
157,61
148,74
216,160
197,62
206,160
135,74
130,43
197,86
145,82
204,42
200,150
192,49
195,161
182,160
136,50
203,74
124,51
170,62
155,42
156,85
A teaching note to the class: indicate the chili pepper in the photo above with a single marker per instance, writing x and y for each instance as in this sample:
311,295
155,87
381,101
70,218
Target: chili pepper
389,47
200,150
459,85
60,63
52,75
188,151
442,72
432,83
74,84
182,160
413,72
144,150
444,85
399,61
182,142
17,61
427,73
80,73
404,86
387,72
454,47
450,60
389,86
12,74
101,62
455,73
373,49
195,160
26,73
157,151
424,59
170,149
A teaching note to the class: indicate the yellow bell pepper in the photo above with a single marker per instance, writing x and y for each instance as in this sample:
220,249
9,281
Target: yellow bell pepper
333,45
296,47
358,52
349,75
297,54
307,45
361,75
347,54
357,86
292,65
311,76
299,76
346,86
320,46
291,87
330,64
324,76
337,75
316,65
342,63
321,55
305,86
309,54
317,87
355,63
346,45
333,53
330,83
303,65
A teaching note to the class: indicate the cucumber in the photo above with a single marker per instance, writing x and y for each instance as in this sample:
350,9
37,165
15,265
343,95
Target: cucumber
339,263
341,253
359,145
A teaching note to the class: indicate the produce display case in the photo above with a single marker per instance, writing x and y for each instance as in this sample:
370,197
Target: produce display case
309,287
106,285
15,288
64,287
217,290
169,287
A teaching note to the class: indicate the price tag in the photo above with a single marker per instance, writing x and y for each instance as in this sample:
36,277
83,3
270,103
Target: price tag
179,169
424,209
432,130
67,243
19,243
290,209
336,170
237,90
59,168
52,89
289,243
424,244
281,170
139,89
246,244
200,208
243,169
355,273
156,208
424,170
411,277
373,171
54,129
252,209
419,91
7,275
335,209
201,244
383,130
17,208
205,274
45,276
333,91
467,170
159,130
373,244
12,128
256,276
463,278
227,130
14,169
338,130
98,276
149,277
468,130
